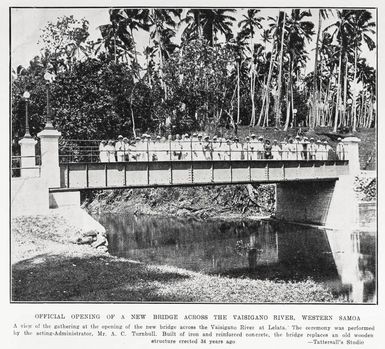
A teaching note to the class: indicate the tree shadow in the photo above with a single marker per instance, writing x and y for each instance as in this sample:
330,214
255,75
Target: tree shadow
97,278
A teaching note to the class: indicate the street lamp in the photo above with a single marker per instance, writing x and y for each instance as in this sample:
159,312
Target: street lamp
26,96
49,78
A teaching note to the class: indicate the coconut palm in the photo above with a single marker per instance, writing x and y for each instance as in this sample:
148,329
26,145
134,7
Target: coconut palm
208,23
362,26
299,30
248,24
322,14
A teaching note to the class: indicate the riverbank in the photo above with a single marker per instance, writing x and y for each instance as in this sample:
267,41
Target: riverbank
224,201
48,266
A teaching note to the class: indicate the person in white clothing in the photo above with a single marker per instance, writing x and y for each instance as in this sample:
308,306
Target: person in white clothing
292,150
236,150
320,152
259,148
126,148
312,149
103,156
285,150
276,151
298,148
110,148
119,149
215,146
340,149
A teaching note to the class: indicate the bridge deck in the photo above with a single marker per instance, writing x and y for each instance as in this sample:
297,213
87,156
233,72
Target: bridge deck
80,176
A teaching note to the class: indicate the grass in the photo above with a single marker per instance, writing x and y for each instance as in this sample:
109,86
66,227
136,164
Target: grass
46,266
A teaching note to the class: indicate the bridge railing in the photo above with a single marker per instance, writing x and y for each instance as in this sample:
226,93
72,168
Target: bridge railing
91,151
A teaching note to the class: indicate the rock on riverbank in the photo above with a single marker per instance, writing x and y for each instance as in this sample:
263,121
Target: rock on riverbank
202,202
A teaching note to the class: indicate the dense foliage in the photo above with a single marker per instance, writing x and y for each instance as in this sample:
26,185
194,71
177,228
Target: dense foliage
201,69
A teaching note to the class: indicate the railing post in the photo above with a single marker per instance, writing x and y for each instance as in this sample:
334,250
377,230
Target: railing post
49,143
27,160
351,154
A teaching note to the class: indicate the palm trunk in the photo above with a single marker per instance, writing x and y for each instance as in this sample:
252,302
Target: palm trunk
345,92
265,110
238,94
290,99
355,92
263,104
338,94
313,113
279,86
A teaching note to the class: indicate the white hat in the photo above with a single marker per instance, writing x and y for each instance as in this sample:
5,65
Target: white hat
120,136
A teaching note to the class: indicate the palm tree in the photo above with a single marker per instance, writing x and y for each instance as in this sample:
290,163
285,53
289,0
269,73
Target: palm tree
208,23
343,32
322,14
362,26
298,31
163,26
193,23
279,82
248,25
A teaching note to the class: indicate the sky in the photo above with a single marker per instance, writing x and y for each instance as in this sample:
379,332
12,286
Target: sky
26,25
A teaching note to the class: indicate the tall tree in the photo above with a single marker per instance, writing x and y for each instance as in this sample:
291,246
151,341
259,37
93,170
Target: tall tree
322,14
249,23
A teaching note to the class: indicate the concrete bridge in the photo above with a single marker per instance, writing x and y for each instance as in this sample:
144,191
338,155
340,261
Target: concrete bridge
316,191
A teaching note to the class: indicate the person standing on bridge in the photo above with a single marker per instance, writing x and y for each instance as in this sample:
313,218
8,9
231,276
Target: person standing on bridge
236,150
207,148
103,156
340,149
186,145
246,148
312,149
268,149
260,148
111,151
292,150
215,148
153,148
305,144
298,147
119,148
319,149
134,149
327,150
253,145
126,148
285,150
162,149
276,151
227,150
199,148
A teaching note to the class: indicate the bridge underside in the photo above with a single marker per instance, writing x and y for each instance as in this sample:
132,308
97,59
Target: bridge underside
81,176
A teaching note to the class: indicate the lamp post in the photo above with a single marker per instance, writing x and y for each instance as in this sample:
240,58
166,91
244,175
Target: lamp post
26,96
49,78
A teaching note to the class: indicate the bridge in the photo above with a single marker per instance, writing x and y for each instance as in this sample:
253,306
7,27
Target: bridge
311,191
145,174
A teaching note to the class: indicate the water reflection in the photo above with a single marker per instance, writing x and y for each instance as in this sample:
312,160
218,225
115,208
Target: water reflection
344,260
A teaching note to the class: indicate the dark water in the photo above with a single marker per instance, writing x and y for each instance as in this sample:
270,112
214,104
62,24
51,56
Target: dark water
344,260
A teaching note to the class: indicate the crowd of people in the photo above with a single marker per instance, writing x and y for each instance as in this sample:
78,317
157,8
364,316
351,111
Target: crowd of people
199,147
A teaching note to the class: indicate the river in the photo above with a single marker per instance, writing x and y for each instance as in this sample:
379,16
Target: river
344,260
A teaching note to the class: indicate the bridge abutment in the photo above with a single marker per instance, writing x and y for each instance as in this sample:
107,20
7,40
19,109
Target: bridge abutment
330,203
